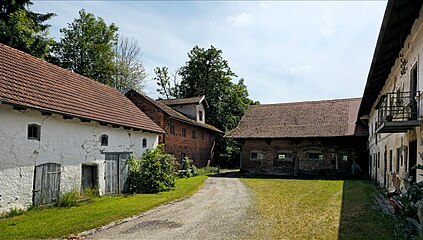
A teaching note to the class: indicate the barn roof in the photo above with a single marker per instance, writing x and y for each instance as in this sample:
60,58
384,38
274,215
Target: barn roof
396,26
171,112
327,118
29,82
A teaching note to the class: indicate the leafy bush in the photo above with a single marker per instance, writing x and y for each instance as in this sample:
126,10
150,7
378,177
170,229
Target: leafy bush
154,173
67,199
188,168
91,192
410,219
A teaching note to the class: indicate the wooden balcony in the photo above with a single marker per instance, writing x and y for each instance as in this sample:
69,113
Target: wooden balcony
398,112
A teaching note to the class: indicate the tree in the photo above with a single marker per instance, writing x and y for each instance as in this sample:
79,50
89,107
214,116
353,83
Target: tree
87,48
23,29
207,73
167,88
130,72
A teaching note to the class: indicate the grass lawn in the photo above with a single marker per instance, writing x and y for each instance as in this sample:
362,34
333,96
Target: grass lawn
60,222
317,209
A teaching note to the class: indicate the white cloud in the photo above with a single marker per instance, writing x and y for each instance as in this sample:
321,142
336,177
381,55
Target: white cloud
298,70
241,20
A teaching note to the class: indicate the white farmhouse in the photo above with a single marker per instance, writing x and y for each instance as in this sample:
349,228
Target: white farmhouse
392,100
60,131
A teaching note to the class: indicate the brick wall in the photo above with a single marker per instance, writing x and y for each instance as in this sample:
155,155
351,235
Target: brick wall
332,149
196,148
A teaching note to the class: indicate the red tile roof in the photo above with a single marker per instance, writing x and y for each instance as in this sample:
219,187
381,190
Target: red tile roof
31,82
328,118
171,112
184,101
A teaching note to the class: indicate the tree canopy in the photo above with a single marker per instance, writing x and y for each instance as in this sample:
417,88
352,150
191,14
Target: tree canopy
87,47
23,29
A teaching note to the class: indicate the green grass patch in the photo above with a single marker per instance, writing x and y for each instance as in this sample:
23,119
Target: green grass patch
60,222
317,209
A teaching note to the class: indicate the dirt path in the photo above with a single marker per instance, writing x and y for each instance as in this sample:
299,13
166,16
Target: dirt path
221,209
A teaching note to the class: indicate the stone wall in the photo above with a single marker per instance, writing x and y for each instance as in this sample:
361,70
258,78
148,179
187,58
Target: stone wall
332,150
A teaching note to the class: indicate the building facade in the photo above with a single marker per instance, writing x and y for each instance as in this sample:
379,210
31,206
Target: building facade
186,133
391,105
62,132
303,138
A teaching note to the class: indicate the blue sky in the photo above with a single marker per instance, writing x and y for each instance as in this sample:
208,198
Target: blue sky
286,51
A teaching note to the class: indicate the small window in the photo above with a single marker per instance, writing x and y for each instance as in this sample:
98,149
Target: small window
255,155
184,132
104,139
202,136
34,131
144,142
172,129
345,157
200,115
286,156
315,156
193,134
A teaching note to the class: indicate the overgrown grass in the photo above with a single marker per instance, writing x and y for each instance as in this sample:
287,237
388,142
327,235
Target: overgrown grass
317,209
60,222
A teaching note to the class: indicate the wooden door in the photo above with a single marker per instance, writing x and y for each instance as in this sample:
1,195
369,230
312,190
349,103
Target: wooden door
111,174
123,172
89,176
46,184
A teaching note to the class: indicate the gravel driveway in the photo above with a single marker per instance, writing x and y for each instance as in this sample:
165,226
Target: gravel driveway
221,209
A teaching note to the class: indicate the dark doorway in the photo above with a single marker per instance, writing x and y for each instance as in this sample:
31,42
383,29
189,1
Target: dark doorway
46,184
385,169
413,89
412,153
89,176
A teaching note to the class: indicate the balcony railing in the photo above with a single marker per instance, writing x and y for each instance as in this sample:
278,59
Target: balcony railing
398,112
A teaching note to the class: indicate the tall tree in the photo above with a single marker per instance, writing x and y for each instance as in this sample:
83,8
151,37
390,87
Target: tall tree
23,29
207,73
130,72
88,47
168,88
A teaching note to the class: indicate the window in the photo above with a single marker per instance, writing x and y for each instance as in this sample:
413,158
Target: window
315,156
202,136
184,132
200,115
34,131
172,129
256,155
286,156
144,142
104,139
345,157
193,135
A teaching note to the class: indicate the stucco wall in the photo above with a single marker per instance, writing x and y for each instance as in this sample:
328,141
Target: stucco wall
381,142
67,142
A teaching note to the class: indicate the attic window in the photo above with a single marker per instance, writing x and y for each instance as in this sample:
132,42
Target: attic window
34,132
256,155
194,135
144,142
315,156
200,115
172,129
345,157
184,132
104,140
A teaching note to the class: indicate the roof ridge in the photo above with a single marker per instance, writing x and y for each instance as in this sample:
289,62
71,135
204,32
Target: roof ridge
308,102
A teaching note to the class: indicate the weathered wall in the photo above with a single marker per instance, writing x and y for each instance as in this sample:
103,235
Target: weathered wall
381,142
198,149
67,142
332,149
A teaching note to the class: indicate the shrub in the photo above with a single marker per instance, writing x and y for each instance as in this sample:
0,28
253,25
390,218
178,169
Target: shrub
154,173
188,168
67,199
91,192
